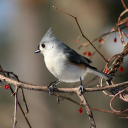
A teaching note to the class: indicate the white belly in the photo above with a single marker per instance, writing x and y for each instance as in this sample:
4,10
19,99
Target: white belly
63,70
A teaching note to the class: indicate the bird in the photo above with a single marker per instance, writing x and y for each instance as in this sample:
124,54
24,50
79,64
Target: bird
65,63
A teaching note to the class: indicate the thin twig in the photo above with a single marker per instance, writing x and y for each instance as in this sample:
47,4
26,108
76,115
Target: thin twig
111,112
17,100
95,109
121,36
105,34
16,77
118,61
81,31
88,109
115,97
15,108
123,4
27,110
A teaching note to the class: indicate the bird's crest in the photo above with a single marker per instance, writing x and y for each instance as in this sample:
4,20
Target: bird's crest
48,36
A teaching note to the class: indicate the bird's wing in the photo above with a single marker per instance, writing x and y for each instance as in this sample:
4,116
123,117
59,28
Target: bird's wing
74,57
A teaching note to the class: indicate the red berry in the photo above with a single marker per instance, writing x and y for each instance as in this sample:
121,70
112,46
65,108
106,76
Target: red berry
106,71
80,110
100,40
89,54
117,30
115,40
77,41
127,24
85,53
121,69
6,87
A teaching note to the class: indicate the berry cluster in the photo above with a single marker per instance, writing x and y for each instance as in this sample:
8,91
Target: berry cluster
88,53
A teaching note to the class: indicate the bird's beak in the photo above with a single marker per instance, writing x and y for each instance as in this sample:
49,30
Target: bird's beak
37,51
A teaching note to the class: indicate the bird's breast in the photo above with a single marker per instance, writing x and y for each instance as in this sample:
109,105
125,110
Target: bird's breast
64,70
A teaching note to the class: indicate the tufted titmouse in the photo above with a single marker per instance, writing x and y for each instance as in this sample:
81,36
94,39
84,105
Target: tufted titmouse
65,63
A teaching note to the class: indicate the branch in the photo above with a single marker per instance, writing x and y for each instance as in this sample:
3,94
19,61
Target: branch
95,109
105,34
15,108
16,77
88,109
58,90
117,94
123,4
81,31
17,99
121,36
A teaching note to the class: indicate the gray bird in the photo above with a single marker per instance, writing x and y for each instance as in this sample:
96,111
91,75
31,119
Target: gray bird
65,63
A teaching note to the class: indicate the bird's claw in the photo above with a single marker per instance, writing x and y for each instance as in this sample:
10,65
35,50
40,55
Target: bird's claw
51,88
81,88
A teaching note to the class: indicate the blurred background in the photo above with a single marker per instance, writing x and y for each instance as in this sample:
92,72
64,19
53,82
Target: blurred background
22,25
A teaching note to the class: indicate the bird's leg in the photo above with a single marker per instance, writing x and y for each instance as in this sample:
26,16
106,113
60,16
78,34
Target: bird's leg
81,88
51,87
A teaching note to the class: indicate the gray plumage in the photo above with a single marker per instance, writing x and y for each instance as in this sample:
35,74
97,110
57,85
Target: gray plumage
63,62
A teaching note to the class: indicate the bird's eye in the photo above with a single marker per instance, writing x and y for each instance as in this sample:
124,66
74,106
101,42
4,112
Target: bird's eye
43,45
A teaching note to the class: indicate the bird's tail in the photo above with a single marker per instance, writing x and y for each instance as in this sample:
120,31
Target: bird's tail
100,73
108,78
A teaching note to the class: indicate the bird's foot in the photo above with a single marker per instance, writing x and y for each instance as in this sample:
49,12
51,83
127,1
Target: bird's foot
81,88
51,87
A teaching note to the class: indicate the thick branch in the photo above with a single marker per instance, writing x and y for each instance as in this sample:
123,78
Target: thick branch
58,90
